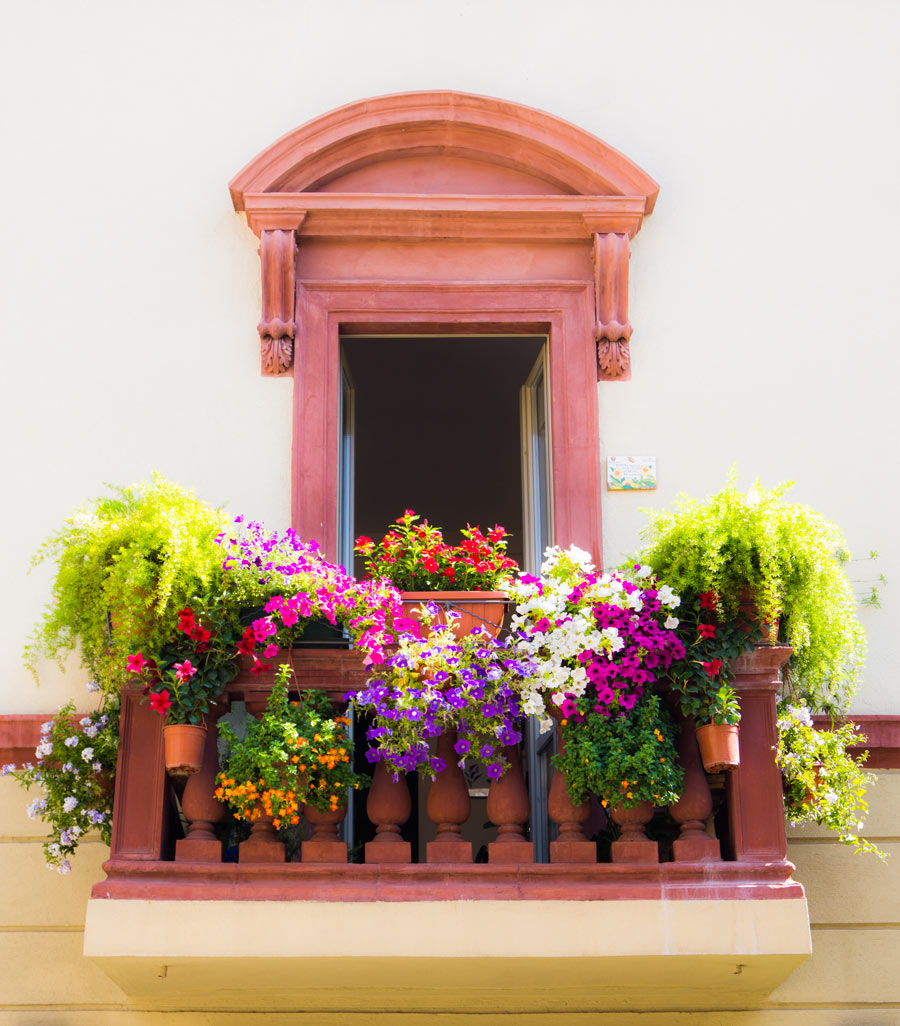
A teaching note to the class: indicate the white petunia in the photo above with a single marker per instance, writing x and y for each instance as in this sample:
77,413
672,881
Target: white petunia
667,597
671,622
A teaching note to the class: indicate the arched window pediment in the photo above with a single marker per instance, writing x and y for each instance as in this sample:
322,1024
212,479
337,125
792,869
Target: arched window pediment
479,130
443,166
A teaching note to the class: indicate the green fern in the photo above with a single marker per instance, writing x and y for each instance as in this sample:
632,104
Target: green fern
126,565
790,557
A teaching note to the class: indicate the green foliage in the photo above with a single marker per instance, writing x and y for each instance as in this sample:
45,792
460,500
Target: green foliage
624,760
295,753
724,709
126,565
74,767
785,554
823,783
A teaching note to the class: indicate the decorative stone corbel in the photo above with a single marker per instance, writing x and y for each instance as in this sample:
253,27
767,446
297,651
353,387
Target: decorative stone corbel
612,330
277,248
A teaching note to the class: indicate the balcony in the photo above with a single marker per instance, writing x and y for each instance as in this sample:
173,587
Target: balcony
708,921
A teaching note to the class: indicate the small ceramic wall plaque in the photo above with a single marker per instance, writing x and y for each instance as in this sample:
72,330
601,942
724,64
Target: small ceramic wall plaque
630,473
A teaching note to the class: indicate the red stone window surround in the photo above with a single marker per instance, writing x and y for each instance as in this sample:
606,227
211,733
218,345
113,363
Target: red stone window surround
441,212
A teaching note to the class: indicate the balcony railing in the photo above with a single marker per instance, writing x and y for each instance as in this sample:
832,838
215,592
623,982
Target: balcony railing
165,844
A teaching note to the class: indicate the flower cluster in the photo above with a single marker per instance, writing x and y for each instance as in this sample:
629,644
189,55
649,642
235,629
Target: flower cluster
287,582
74,766
197,663
297,753
415,557
438,683
823,783
601,638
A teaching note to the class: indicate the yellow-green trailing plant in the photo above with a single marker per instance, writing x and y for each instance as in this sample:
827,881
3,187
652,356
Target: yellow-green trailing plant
126,565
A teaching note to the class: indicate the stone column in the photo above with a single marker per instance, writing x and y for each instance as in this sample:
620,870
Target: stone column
755,803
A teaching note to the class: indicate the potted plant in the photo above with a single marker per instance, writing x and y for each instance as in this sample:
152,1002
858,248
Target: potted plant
74,767
782,555
466,576
601,641
790,561
296,753
701,680
717,733
126,565
189,673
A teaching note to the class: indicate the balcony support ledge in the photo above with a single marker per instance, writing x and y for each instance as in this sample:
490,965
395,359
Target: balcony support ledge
454,955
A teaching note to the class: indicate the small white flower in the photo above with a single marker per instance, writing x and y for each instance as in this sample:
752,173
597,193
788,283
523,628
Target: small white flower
70,803
44,749
85,721
70,742
87,754
65,867
671,622
91,730
96,767
644,571
667,597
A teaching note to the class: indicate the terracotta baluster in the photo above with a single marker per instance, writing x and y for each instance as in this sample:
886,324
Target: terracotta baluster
448,806
388,807
324,845
262,845
198,803
508,807
633,844
571,845
694,807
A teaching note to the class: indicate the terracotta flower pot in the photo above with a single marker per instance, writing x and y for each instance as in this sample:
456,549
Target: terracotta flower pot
477,608
184,744
719,748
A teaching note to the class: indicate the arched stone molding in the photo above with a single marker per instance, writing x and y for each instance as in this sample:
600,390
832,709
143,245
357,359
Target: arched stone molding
450,166
570,160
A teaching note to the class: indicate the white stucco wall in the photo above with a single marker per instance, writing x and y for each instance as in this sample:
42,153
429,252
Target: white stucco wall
763,288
